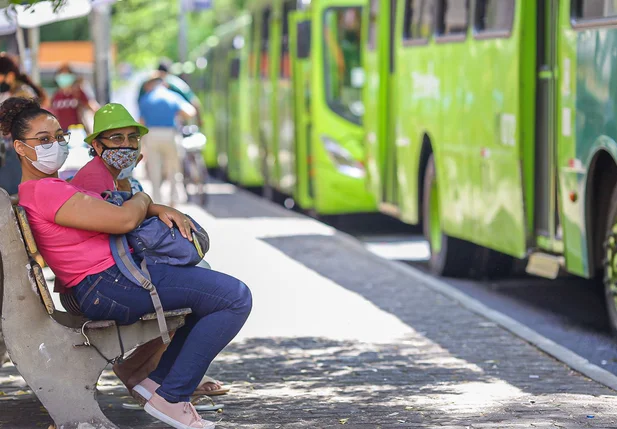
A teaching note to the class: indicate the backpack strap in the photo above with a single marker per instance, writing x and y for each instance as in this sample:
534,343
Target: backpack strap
128,267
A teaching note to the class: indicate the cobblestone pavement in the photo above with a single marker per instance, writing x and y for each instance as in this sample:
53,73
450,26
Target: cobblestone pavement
339,338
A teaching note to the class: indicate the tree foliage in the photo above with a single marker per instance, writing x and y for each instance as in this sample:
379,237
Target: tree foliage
146,30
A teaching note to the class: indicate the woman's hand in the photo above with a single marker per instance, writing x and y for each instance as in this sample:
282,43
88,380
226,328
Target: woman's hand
170,216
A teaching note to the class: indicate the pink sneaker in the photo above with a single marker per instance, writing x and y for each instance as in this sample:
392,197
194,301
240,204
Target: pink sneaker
144,390
181,415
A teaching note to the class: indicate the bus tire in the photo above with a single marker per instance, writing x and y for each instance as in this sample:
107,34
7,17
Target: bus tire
610,262
491,264
450,257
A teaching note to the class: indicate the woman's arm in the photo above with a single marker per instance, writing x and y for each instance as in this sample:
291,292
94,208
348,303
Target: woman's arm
82,211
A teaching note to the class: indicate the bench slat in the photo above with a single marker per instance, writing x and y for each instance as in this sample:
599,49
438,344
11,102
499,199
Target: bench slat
170,313
102,324
25,230
37,272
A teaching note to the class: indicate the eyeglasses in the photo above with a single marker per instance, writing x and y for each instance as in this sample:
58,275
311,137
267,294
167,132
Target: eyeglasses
119,139
48,141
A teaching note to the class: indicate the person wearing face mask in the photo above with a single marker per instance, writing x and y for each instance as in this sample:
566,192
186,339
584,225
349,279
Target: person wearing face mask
116,147
70,102
13,83
72,228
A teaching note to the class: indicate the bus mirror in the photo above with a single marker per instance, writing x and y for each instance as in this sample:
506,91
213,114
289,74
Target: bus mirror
357,77
304,39
234,68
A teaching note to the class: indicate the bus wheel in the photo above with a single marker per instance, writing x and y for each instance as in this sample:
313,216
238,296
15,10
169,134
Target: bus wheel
610,263
449,256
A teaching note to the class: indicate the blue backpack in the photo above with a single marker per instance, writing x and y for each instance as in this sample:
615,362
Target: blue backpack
153,242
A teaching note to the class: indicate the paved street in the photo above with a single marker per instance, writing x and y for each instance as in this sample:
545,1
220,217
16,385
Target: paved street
339,337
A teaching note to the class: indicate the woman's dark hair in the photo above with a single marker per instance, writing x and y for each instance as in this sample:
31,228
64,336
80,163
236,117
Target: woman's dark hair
64,68
8,65
16,114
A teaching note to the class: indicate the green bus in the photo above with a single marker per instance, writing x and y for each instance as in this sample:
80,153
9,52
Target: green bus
286,96
493,123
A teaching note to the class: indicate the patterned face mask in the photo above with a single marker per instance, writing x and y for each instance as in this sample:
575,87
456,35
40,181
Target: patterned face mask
119,157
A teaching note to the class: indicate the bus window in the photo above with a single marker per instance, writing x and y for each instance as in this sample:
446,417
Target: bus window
594,9
285,69
265,43
418,19
494,15
452,18
342,61
372,26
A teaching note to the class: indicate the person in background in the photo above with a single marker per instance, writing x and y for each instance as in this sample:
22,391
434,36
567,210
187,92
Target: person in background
177,85
14,83
70,101
159,108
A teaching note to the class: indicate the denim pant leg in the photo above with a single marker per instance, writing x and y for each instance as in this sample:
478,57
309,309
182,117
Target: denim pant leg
220,304
111,296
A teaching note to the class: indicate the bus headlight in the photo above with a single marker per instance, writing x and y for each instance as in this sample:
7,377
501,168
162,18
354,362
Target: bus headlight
343,160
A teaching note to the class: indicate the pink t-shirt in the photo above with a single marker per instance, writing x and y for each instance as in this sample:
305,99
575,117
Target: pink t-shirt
94,176
71,253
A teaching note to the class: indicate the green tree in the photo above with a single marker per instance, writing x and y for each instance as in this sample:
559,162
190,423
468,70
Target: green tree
146,30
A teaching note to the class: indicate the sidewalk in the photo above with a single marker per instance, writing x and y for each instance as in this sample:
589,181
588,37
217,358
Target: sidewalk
337,337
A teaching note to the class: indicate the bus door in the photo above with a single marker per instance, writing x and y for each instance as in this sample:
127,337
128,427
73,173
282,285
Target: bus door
379,104
391,172
300,52
232,153
266,95
372,99
547,226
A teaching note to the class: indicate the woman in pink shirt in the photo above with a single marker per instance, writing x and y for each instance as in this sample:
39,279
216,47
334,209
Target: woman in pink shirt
72,227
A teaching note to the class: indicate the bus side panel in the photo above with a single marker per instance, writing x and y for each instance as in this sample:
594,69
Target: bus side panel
286,150
570,178
234,114
456,158
248,160
267,100
493,119
594,127
418,116
252,163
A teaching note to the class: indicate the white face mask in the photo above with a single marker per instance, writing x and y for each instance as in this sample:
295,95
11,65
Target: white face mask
50,160
125,173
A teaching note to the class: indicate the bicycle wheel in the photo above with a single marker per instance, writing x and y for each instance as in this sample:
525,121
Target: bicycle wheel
195,177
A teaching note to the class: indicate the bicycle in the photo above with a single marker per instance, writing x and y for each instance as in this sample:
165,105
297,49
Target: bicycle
194,168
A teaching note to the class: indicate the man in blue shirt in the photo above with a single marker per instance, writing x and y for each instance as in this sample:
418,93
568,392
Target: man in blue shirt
160,109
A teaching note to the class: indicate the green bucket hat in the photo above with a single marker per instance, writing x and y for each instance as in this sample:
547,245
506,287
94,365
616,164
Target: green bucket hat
113,116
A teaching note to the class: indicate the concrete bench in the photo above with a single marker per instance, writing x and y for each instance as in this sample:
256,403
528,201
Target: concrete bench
53,350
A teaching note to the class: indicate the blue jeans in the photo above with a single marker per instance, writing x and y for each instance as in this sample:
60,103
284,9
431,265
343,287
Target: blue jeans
220,303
